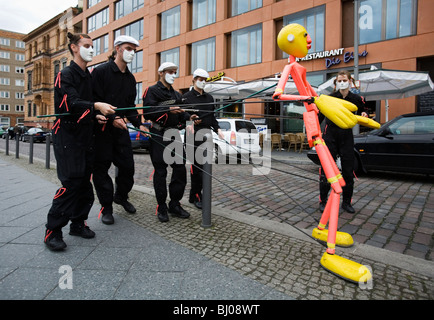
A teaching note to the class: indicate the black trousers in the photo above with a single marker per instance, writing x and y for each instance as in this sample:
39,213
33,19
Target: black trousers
73,149
340,142
196,170
113,145
166,153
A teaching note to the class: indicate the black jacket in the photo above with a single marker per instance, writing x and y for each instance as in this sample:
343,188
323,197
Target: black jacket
117,88
207,117
159,99
73,94
351,97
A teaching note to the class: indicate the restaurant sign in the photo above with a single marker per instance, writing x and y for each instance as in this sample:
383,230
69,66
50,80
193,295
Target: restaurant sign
332,56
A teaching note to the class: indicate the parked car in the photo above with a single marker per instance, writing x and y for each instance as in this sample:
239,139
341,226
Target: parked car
37,134
3,132
241,140
138,141
404,144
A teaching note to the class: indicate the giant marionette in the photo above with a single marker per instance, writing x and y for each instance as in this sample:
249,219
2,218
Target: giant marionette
295,41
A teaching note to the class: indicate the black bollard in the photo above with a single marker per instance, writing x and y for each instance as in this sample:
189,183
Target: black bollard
31,150
47,151
206,182
7,144
17,146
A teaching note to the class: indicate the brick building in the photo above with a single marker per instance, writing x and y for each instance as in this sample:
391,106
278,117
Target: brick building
11,78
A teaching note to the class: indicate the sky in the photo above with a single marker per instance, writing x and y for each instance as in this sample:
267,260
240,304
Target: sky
26,15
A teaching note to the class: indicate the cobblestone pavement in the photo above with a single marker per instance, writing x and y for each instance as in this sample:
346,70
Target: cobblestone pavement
262,247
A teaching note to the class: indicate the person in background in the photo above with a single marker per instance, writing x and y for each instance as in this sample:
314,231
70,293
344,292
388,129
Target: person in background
113,83
206,121
164,115
341,143
73,145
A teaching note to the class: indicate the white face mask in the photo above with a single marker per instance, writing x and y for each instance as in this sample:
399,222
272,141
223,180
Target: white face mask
128,56
200,84
342,85
86,53
170,78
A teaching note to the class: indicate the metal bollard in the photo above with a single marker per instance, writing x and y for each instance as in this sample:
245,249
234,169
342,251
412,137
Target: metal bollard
206,182
17,146
31,149
7,144
47,151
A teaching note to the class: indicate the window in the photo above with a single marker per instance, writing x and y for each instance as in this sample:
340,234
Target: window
134,30
98,20
91,3
170,56
19,108
137,64
5,42
246,46
20,44
4,68
241,6
5,81
204,12
5,55
4,94
20,57
5,122
19,95
4,107
386,19
203,55
313,21
124,7
170,23
19,69
100,45
139,90
19,82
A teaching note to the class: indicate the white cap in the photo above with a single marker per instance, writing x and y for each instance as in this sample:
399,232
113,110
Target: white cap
200,73
125,39
167,65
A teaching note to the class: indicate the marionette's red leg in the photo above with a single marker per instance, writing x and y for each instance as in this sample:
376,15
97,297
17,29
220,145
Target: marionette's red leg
337,182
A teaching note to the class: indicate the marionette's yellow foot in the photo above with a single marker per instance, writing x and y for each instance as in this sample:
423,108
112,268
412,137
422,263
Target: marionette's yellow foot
346,269
342,239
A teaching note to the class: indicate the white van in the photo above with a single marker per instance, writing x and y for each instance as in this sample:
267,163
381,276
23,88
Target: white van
241,141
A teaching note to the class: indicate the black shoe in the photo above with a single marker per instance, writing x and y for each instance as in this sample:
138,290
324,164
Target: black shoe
127,205
107,216
348,207
179,212
54,241
322,206
163,216
196,201
81,230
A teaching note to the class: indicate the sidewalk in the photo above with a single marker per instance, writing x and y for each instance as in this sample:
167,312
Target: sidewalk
240,258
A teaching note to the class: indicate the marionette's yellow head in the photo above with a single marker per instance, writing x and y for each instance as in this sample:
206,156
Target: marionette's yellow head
294,40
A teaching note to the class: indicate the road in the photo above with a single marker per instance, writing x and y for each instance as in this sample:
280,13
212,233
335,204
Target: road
393,211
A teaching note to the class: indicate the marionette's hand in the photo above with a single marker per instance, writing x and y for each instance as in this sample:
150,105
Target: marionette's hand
341,112
366,122
101,119
277,93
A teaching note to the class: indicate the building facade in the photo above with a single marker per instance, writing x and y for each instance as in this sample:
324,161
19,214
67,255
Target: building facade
237,38
46,53
11,78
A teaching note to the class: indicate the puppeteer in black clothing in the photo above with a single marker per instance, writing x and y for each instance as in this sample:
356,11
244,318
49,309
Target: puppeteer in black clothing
341,143
207,121
164,117
113,83
73,145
